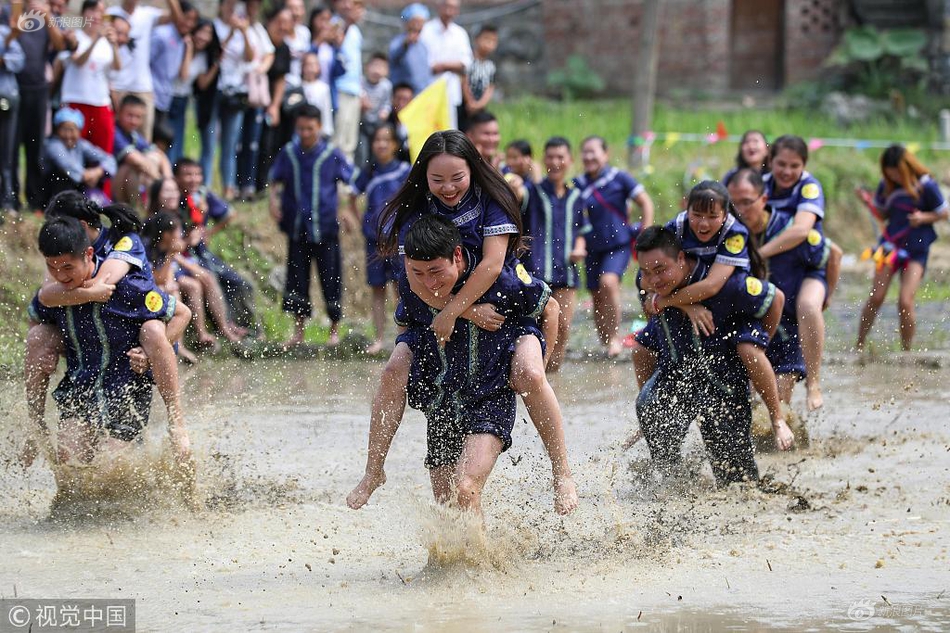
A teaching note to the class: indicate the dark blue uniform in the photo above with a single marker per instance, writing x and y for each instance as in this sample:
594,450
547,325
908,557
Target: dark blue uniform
99,386
604,198
705,378
309,218
380,183
463,388
912,244
787,271
730,245
553,223
126,247
806,196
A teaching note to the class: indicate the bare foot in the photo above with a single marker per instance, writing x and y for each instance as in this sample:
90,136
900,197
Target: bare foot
334,339
630,441
375,348
186,355
814,398
365,489
615,348
565,495
783,437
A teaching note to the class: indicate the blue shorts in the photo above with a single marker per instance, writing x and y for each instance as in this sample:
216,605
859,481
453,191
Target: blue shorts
379,270
122,412
614,261
919,255
785,350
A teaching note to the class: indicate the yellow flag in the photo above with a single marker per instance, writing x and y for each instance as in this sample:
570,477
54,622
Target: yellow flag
672,138
913,147
428,112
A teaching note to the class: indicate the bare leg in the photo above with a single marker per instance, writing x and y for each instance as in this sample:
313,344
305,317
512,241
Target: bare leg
528,379
161,355
443,483
389,405
786,384
300,324
43,345
644,363
334,339
565,298
194,292
215,300
607,313
811,329
76,440
379,320
763,379
910,281
882,281
125,186
479,455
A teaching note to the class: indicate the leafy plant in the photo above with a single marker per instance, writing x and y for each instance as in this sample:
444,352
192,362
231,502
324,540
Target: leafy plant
876,62
576,80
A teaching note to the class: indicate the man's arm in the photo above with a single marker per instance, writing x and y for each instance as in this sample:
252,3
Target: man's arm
790,237
694,293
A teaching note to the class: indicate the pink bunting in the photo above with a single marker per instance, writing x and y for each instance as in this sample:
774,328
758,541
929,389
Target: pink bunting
815,144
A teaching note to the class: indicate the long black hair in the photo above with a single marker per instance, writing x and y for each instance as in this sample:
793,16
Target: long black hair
709,196
122,218
740,159
414,193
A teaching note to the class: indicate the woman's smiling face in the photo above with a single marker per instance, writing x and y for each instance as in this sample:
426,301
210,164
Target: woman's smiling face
449,178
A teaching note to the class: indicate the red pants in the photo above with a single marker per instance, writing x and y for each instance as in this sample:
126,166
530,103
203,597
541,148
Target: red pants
100,125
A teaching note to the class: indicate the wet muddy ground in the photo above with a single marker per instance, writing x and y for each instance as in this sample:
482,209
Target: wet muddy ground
851,531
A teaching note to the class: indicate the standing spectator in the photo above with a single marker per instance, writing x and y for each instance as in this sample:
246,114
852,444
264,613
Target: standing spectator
134,76
316,92
349,85
34,101
450,52
237,53
86,76
408,56
168,53
479,85
402,95
249,147
280,25
377,103
484,133
13,59
203,61
298,41
320,43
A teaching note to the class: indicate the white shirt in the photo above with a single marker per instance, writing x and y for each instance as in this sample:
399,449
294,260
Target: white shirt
448,44
317,93
88,84
198,66
136,75
233,67
299,46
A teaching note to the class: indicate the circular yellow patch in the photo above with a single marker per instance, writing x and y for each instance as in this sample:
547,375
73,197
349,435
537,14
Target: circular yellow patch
735,244
125,244
523,274
753,286
154,301
810,191
814,237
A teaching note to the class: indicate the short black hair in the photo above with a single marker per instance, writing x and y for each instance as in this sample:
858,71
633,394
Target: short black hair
131,100
522,146
480,118
660,237
309,111
379,55
432,237
403,85
183,162
557,141
63,236
750,176
487,28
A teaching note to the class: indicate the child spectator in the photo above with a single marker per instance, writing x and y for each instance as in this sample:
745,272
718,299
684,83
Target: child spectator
303,201
479,85
519,161
316,92
139,162
402,95
377,103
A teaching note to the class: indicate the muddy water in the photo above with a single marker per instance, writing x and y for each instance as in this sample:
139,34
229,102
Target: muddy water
857,522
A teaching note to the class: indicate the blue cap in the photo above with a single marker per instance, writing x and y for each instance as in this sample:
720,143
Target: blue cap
69,115
415,10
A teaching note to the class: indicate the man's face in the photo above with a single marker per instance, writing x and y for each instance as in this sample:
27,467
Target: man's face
131,117
557,161
308,130
449,10
662,273
187,22
71,270
440,275
485,137
401,98
749,203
